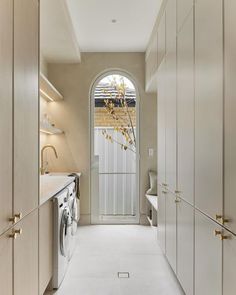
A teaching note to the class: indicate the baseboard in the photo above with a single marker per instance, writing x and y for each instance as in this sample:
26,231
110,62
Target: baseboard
85,219
143,219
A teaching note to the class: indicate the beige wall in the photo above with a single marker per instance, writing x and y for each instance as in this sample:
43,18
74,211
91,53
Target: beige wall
72,115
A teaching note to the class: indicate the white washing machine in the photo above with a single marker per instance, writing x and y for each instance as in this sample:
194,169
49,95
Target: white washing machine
62,238
72,203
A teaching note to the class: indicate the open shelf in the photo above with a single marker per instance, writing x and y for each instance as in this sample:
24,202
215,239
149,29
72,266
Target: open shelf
48,91
49,129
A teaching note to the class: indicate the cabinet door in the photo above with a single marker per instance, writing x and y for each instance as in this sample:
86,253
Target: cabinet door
171,121
185,110
26,168
6,274
171,27
185,246
6,21
161,124
45,245
161,222
26,256
229,262
183,9
161,40
230,118
208,256
171,230
209,106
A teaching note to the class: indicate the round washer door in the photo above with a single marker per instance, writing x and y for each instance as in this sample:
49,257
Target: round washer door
74,215
64,232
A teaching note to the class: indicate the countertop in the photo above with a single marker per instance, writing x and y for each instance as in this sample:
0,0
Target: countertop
50,185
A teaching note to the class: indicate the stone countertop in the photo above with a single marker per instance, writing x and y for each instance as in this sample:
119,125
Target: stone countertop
50,185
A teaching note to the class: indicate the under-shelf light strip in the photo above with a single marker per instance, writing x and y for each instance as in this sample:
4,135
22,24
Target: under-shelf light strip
44,131
45,94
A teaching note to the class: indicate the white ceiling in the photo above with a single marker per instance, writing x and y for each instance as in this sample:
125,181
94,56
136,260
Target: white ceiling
58,42
95,32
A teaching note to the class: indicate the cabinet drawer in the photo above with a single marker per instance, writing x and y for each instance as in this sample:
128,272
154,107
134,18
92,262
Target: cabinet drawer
26,256
229,263
208,256
6,276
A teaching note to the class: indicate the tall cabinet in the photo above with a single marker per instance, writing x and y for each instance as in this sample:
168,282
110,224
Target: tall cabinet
19,172
197,143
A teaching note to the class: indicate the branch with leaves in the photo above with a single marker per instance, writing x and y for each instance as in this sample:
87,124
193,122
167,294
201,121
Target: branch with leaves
119,109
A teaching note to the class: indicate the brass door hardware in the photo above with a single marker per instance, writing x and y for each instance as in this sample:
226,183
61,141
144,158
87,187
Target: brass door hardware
177,200
221,219
223,237
177,192
15,232
218,217
15,217
164,184
217,232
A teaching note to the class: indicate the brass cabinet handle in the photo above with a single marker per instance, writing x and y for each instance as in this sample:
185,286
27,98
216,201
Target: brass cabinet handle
164,184
177,192
177,200
15,232
222,237
13,236
217,232
16,217
221,219
13,219
18,231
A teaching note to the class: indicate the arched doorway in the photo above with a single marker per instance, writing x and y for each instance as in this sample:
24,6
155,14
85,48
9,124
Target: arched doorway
114,150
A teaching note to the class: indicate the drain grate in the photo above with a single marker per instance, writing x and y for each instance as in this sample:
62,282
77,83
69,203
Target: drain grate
123,275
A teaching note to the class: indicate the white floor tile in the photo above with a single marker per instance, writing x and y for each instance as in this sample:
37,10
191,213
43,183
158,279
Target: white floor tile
104,250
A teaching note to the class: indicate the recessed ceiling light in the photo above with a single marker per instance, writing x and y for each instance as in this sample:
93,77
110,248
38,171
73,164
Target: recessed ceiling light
114,21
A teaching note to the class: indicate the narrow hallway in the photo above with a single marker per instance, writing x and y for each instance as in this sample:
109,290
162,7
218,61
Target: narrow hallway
104,250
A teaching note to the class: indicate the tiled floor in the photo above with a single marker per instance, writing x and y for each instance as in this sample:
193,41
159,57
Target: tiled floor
104,250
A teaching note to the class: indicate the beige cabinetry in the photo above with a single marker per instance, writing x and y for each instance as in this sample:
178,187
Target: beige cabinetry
208,256
161,117
209,106
151,61
161,39
185,246
171,229
6,61
230,118
45,245
171,27
162,218
197,143
185,106
183,9
26,104
229,262
26,256
6,278
170,111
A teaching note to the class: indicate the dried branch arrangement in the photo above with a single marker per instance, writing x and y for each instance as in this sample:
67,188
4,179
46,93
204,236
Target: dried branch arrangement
120,109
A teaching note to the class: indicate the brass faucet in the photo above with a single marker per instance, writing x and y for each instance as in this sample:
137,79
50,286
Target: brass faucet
43,169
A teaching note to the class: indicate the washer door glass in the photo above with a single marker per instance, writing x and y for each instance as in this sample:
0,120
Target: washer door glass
64,232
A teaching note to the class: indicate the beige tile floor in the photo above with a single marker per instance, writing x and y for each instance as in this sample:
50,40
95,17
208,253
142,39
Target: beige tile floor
104,250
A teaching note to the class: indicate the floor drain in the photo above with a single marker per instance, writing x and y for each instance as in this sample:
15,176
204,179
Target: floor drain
123,275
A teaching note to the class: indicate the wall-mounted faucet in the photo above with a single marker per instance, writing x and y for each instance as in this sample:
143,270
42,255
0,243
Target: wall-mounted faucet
43,169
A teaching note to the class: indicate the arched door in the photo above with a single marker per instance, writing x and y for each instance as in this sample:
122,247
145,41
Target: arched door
114,150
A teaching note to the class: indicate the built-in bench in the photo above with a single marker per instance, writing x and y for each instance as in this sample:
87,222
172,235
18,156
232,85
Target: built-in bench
152,207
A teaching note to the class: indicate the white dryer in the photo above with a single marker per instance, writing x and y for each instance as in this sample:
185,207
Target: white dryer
72,203
62,238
